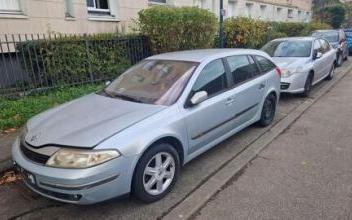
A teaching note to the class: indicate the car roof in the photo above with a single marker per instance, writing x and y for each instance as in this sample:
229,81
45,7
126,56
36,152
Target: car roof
296,39
200,55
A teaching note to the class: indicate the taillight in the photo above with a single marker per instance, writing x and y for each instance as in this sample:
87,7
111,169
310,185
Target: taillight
279,71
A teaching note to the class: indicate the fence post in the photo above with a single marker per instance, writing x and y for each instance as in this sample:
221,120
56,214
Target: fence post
88,59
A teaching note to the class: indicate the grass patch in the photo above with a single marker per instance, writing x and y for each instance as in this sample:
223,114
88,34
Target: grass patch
15,112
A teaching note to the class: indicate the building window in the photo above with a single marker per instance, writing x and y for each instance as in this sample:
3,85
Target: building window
290,13
263,11
278,10
232,8
299,14
10,6
99,7
69,9
200,3
249,7
157,1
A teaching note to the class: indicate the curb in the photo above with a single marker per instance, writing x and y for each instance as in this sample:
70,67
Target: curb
200,197
5,165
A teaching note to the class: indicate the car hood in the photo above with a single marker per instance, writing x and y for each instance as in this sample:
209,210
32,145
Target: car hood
85,122
291,63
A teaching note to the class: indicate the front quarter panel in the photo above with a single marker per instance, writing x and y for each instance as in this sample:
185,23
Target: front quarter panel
137,138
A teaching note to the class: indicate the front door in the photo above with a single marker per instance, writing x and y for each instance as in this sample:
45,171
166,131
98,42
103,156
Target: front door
207,120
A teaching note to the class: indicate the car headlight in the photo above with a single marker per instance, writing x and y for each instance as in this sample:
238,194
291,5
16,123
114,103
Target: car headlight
70,158
287,73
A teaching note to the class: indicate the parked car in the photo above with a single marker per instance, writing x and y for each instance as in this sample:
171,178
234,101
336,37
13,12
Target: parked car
304,62
348,33
135,134
338,41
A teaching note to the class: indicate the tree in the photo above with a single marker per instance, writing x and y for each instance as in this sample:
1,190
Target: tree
334,15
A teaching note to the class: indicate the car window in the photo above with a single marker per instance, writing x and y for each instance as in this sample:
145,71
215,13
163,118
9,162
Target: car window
342,36
265,64
317,46
241,68
288,48
325,45
331,36
212,79
158,82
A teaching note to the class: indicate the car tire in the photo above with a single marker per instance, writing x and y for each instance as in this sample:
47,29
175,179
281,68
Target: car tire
307,86
268,111
153,180
331,74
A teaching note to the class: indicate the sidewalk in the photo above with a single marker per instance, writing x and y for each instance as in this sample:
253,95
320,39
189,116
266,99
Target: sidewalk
306,173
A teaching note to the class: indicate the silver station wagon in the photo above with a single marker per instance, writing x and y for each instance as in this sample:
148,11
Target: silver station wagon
136,134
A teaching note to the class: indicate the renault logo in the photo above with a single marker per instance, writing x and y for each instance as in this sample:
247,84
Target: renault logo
34,138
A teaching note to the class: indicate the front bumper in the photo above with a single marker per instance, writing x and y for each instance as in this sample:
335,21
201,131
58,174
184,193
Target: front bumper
294,84
79,186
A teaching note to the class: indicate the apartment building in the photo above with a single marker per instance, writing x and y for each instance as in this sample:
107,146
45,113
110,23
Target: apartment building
94,16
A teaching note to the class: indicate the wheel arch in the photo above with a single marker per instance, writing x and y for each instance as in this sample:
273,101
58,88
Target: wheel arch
175,142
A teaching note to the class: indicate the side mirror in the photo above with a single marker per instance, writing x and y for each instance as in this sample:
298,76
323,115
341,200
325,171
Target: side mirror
317,55
199,97
107,83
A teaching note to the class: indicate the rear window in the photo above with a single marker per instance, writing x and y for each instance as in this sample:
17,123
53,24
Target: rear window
265,64
288,48
331,36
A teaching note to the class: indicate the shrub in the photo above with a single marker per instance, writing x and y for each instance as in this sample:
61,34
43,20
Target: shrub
313,26
177,28
291,29
251,33
245,32
79,59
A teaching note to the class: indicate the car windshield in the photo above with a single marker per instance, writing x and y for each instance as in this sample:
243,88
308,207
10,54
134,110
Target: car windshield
331,36
152,81
287,48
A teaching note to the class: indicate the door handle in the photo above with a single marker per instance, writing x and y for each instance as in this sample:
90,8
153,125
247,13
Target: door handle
229,101
261,86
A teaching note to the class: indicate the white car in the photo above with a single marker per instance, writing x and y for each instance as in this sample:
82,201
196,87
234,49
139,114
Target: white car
304,62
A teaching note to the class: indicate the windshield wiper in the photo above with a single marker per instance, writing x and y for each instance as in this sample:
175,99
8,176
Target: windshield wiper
128,98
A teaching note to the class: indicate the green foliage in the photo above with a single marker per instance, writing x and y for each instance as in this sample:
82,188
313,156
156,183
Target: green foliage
77,59
250,33
245,32
291,29
313,26
177,28
15,112
334,15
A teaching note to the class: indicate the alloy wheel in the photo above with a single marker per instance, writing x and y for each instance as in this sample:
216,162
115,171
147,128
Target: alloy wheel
159,173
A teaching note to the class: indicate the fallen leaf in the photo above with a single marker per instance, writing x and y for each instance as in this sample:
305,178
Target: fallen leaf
9,177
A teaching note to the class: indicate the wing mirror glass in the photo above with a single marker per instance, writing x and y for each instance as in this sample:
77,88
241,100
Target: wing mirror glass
107,83
199,97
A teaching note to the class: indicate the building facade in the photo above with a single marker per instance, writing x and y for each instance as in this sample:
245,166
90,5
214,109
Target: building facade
94,16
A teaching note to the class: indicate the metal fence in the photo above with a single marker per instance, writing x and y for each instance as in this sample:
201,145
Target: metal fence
35,62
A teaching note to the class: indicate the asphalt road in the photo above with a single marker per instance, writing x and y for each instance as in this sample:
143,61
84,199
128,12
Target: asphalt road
18,202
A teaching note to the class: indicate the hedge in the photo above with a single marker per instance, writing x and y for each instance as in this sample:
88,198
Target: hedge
177,28
242,32
80,59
